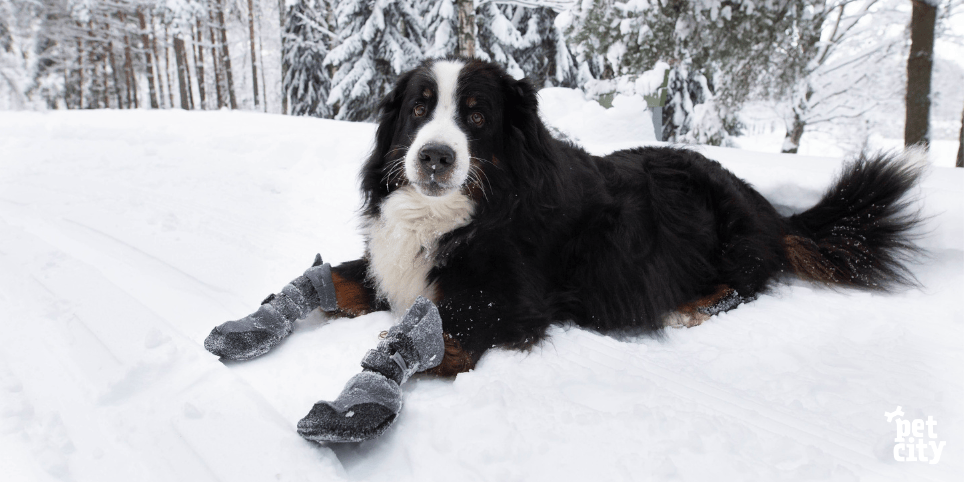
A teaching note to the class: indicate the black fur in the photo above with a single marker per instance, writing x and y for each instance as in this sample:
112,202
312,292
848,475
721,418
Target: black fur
619,241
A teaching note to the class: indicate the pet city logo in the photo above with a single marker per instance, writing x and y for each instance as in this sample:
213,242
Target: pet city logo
910,443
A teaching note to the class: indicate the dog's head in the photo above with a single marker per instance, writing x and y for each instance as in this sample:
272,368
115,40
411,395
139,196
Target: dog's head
448,126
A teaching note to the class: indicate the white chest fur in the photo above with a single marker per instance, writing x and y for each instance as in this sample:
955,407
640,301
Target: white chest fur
402,241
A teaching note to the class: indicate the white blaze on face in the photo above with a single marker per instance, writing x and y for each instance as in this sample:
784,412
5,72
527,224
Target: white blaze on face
442,128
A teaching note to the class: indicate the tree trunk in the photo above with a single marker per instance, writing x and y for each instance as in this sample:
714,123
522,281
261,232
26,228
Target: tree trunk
284,65
67,89
113,73
960,147
167,65
80,70
466,10
187,74
198,51
157,63
264,83
254,56
130,80
131,73
226,56
180,59
128,71
105,79
215,61
148,60
919,64
791,143
92,57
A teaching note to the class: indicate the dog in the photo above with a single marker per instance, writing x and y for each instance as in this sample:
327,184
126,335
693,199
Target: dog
473,209
472,203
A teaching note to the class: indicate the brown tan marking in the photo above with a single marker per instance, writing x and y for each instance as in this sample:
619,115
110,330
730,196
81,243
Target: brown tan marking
804,256
696,312
354,299
455,361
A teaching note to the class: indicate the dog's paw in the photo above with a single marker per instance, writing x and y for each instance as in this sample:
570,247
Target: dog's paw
240,345
683,319
366,407
358,423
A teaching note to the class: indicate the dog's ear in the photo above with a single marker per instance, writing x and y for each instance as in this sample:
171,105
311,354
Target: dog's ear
524,131
522,103
389,110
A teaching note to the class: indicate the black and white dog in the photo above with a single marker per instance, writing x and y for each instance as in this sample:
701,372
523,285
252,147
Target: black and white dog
472,204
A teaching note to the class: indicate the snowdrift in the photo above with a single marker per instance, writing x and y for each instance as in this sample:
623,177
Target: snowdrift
126,236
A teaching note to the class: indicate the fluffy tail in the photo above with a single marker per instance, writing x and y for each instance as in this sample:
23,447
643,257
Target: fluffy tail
860,233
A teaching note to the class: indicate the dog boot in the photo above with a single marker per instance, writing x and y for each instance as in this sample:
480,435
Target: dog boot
371,400
260,331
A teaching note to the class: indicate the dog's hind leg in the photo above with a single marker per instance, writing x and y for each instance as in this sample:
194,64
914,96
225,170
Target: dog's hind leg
455,360
696,312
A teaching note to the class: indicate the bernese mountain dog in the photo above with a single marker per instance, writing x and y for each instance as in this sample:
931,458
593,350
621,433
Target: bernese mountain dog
471,202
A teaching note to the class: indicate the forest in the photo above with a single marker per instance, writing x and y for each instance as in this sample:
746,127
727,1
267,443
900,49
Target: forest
839,65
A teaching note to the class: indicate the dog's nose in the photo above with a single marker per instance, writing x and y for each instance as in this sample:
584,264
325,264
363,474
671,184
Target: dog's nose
436,158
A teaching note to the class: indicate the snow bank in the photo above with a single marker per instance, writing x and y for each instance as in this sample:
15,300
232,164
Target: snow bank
126,236
627,123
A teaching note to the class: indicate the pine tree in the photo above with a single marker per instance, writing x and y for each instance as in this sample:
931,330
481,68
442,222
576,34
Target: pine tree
526,42
379,40
442,26
724,49
307,37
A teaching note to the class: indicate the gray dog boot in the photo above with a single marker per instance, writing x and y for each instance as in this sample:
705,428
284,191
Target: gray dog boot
260,331
371,400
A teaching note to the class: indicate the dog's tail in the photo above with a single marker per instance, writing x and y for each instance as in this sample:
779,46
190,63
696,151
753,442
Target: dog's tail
861,233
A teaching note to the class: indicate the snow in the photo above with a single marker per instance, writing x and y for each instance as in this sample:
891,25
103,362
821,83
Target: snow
586,122
125,236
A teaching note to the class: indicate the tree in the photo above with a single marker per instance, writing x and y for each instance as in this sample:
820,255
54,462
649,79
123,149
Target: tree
224,57
306,81
18,19
378,41
840,69
466,27
526,42
919,65
717,51
254,55
443,26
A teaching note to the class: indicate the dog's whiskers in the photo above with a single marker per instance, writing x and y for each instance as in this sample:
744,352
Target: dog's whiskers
397,167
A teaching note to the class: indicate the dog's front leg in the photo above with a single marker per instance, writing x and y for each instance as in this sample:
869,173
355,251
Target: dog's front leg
339,291
372,400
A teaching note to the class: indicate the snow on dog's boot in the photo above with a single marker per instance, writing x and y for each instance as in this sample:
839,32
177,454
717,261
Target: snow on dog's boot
371,400
260,331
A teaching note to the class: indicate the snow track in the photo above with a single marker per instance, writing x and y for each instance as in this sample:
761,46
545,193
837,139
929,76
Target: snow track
126,236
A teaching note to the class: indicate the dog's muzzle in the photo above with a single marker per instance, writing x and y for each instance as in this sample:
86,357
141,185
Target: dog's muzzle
435,166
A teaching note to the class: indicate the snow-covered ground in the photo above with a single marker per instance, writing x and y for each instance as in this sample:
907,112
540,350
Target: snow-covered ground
126,236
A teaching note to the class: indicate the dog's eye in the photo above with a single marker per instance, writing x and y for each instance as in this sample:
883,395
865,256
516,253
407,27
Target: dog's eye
419,110
477,119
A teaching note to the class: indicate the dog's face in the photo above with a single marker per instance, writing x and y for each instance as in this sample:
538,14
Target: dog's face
439,121
442,130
